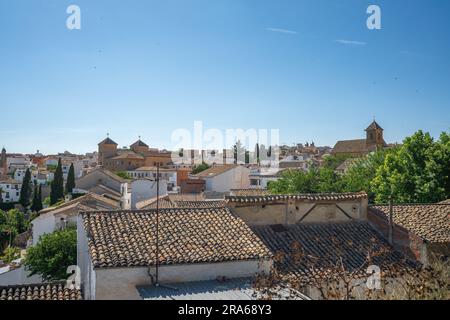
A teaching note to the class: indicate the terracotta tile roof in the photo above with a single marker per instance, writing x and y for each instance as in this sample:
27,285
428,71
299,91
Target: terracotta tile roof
90,200
322,244
139,143
164,202
215,171
431,222
374,125
45,291
127,238
350,146
106,172
249,192
108,141
201,204
128,156
306,197
187,197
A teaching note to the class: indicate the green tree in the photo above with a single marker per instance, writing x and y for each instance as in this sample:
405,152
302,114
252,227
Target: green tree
12,223
199,168
362,171
52,255
10,254
37,199
25,191
335,161
123,174
57,185
316,180
417,173
70,184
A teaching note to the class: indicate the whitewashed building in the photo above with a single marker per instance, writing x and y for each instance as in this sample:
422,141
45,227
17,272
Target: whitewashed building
116,250
224,178
10,190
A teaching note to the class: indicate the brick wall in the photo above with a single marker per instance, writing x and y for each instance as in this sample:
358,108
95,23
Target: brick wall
403,240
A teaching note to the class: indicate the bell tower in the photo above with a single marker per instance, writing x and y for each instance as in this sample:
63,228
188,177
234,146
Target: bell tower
374,135
106,149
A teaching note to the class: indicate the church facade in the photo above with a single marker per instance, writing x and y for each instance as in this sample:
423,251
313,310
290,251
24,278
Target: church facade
138,155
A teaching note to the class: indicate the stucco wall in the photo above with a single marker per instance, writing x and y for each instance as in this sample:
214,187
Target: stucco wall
292,212
88,276
144,189
120,283
97,177
236,178
42,225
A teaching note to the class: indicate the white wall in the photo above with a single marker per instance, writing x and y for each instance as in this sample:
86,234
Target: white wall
43,224
18,277
236,178
146,189
120,283
88,280
12,190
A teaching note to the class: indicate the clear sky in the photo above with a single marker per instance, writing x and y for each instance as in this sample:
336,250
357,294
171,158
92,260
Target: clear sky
145,68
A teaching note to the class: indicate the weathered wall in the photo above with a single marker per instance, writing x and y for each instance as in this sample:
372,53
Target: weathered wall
295,211
42,225
97,177
120,283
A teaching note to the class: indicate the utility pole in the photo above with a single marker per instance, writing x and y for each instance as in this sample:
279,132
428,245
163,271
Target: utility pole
157,226
391,222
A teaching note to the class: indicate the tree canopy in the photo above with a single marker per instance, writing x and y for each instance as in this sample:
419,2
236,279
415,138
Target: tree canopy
199,168
52,255
418,171
25,191
70,184
12,223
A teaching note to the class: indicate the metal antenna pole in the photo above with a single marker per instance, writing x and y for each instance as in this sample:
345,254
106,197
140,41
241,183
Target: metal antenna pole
157,225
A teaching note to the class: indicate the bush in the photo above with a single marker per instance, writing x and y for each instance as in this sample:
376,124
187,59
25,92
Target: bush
10,254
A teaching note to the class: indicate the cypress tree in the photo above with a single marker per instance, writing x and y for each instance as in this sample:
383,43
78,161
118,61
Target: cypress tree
25,191
57,187
39,205
70,185
34,205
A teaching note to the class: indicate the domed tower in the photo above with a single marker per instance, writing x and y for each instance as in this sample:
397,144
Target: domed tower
106,149
374,136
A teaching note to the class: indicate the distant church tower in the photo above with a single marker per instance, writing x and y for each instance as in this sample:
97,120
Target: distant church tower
374,136
3,164
106,149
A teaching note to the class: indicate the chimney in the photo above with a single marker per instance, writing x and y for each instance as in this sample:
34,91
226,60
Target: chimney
125,199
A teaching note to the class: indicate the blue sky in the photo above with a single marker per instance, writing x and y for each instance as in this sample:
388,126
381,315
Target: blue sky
145,68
